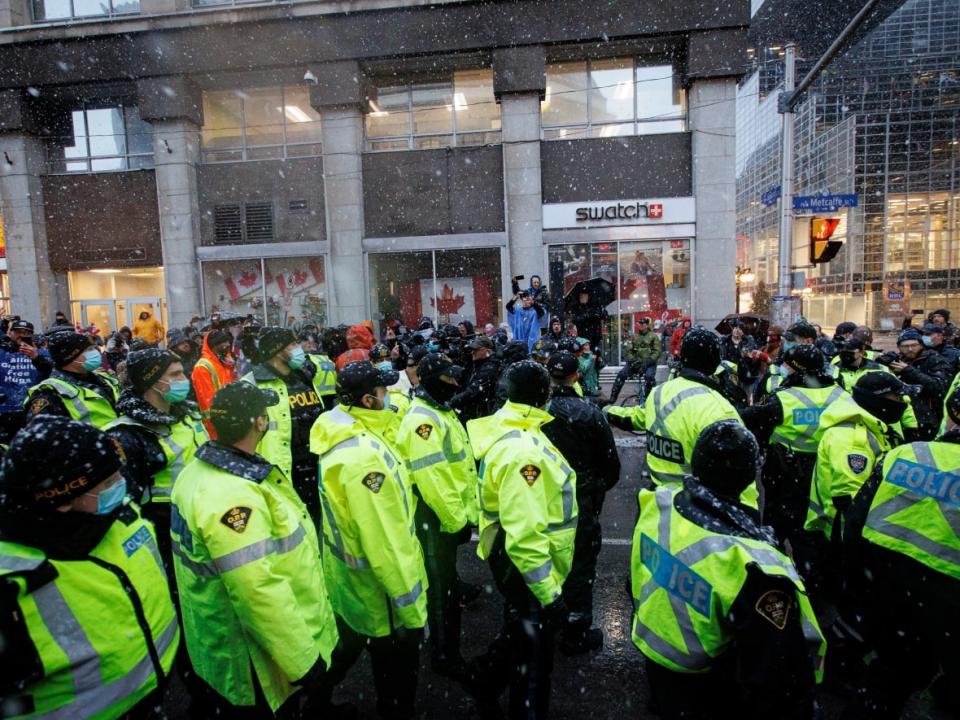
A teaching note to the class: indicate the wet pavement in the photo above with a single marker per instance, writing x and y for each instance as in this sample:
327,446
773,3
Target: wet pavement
605,685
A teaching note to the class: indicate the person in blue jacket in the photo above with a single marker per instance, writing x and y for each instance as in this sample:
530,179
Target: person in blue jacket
22,365
525,319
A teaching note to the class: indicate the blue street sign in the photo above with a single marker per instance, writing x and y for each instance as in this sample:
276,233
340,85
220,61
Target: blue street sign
770,196
824,203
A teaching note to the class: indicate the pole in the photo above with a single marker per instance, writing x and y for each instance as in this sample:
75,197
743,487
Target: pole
737,304
784,279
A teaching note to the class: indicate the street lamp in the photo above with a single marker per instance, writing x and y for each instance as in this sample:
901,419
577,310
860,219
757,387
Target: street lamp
743,275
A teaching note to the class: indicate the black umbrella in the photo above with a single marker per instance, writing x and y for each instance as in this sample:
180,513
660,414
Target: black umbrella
752,324
600,292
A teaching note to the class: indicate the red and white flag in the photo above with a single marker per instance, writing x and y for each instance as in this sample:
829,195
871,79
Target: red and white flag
301,278
454,301
244,281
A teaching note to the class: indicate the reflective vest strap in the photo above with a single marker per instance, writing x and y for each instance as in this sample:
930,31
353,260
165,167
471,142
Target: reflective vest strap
17,563
878,521
70,396
208,366
259,550
662,412
567,492
408,598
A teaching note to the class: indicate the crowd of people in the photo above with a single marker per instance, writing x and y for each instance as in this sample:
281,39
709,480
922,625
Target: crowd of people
251,508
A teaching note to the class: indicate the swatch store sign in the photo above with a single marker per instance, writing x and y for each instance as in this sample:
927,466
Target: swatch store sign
655,211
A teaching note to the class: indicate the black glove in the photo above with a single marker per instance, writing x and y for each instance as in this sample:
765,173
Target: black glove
554,616
314,675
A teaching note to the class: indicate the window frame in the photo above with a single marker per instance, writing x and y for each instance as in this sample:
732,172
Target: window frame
245,147
59,165
410,137
112,13
589,127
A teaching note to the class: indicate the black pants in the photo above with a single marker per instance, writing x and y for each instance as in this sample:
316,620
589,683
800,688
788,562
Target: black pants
786,479
208,703
646,368
578,587
396,664
521,656
305,482
443,594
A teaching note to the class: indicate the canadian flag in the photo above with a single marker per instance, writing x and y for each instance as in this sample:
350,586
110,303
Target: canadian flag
300,278
454,300
244,281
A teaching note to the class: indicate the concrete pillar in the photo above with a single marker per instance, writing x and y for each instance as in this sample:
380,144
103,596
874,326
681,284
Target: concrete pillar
341,95
36,291
519,83
173,107
712,108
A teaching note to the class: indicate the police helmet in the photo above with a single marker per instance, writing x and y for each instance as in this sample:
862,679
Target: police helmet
700,350
528,383
726,458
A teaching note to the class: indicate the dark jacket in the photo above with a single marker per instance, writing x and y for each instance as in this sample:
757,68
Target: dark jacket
589,321
479,395
581,433
932,374
734,353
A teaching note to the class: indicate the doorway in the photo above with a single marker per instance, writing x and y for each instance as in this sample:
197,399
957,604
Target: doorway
111,299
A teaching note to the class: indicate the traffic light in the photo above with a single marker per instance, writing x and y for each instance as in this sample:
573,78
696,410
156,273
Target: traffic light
822,248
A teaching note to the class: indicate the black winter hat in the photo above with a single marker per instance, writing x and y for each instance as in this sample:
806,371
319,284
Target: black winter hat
700,350
144,367
562,365
941,311
880,383
216,337
66,346
909,334
53,460
528,383
845,327
804,358
726,457
273,340
436,366
932,329
801,330
361,378
236,405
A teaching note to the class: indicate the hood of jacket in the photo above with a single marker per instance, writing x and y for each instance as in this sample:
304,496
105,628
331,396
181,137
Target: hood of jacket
360,337
846,410
485,431
343,423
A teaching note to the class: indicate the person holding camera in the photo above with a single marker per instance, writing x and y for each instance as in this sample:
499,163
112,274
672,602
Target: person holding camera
22,365
524,320
925,368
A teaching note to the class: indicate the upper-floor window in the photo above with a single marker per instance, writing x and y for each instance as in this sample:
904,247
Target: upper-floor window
259,124
45,10
614,96
458,110
102,139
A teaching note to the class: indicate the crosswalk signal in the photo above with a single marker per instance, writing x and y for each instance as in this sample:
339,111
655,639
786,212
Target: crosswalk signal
822,248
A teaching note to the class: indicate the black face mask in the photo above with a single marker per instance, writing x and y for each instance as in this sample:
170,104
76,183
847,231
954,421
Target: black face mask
887,411
439,390
848,358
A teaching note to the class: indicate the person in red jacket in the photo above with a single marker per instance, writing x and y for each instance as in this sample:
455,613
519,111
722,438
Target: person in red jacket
676,340
360,342
215,368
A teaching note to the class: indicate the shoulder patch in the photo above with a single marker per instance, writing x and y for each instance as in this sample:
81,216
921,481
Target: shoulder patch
424,430
374,481
774,607
857,462
38,405
530,473
237,518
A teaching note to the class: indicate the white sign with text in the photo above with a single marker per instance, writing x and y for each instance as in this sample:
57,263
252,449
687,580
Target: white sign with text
612,213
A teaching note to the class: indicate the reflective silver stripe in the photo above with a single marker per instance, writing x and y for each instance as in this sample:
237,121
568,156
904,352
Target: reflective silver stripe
259,550
878,521
197,568
340,417
426,461
351,561
70,637
661,413
407,599
348,443
568,524
69,394
710,545
272,425
421,410
874,445
16,563
175,466
532,577
665,478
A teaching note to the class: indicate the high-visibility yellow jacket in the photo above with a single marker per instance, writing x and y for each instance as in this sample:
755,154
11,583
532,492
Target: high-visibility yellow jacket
528,492
685,580
850,378
916,509
799,428
325,380
83,403
372,559
438,455
83,618
247,562
853,442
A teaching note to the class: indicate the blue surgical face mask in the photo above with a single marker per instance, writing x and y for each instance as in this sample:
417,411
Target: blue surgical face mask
297,357
787,344
927,341
91,360
109,500
177,391
385,365
432,346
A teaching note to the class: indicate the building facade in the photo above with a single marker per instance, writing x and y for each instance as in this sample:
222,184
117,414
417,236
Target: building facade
883,124
328,161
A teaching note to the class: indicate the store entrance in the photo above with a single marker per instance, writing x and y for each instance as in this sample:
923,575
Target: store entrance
112,299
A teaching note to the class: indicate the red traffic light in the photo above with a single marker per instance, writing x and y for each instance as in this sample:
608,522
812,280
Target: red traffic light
822,248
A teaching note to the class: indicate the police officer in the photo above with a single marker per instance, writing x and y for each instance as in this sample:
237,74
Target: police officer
256,618
528,514
437,452
856,434
721,615
159,433
325,378
281,368
582,435
800,333
679,410
87,623
789,421
76,388
903,560
372,559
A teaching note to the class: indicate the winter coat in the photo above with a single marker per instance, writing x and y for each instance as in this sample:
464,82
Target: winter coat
209,375
18,373
734,353
149,330
360,342
676,340
932,373
525,322
644,347
479,395
590,366
589,321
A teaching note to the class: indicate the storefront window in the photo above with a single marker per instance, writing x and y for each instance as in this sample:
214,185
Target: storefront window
652,280
448,286
111,298
259,123
278,291
452,112
611,97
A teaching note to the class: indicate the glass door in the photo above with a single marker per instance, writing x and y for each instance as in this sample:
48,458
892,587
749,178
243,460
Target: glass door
100,313
135,306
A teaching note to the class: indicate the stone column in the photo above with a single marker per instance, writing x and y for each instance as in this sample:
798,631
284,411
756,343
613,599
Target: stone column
712,108
519,83
341,96
173,107
36,291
